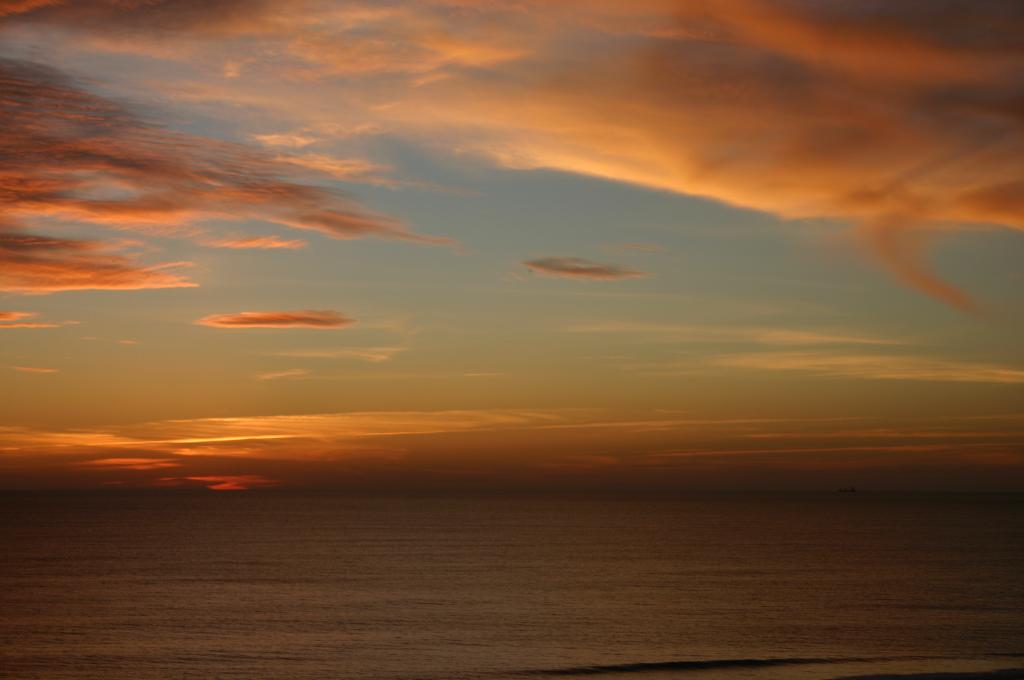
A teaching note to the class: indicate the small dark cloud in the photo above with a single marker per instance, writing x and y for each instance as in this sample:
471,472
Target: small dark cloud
579,268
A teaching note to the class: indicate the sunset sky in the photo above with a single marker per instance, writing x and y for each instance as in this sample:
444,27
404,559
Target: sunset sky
485,244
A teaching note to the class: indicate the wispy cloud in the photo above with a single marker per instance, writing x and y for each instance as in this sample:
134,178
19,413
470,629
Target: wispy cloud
371,354
39,264
385,447
72,147
345,169
20,320
827,353
255,243
287,373
878,367
74,155
132,463
722,333
782,336
326,427
292,140
579,268
905,127
34,369
8,316
306,318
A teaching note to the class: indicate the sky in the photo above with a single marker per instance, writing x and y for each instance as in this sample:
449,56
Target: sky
497,244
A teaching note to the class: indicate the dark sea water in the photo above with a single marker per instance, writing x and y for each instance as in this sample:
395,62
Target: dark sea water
317,585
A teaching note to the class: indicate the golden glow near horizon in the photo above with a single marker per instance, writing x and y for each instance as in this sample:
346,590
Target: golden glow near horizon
488,243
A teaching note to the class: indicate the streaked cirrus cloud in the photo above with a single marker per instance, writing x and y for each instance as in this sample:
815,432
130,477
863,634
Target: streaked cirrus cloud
131,463
370,354
71,155
68,148
767,335
306,318
907,124
579,268
383,448
272,435
283,374
877,366
904,126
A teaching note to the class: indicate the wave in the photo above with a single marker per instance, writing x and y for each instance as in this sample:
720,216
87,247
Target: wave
712,664
688,665
1001,674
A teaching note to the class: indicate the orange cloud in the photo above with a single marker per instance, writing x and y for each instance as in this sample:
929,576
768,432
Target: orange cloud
256,243
371,354
73,155
346,169
288,436
34,369
216,17
40,264
502,448
132,463
876,366
579,268
908,122
16,320
904,126
287,373
338,426
300,319
745,334
293,140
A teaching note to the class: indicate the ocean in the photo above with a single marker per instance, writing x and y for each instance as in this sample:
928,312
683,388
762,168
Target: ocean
319,585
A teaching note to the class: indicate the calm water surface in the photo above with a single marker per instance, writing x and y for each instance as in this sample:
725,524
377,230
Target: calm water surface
316,585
